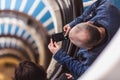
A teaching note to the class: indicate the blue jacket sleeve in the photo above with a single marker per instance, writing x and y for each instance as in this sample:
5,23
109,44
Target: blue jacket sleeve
86,14
75,66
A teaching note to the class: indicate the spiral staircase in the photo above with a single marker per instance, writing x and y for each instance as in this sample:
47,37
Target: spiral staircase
25,26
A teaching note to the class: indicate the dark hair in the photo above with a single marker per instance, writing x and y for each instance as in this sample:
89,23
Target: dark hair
94,35
27,70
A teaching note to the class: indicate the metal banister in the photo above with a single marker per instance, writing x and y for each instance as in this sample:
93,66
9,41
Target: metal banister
70,9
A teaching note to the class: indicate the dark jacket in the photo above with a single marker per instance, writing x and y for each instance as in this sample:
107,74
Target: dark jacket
105,14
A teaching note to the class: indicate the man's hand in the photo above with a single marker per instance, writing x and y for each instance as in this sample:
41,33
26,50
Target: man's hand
67,28
69,76
53,46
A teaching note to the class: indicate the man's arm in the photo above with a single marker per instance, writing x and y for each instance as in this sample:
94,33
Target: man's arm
86,13
75,66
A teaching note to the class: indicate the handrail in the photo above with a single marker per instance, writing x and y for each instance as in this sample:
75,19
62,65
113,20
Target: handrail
69,10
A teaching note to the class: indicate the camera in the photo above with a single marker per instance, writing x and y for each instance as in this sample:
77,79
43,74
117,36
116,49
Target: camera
59,37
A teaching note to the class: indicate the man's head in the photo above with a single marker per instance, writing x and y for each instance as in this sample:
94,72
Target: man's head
86,35
29,71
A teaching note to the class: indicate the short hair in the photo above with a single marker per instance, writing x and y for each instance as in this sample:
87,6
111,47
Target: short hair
27,70
93,32
94,35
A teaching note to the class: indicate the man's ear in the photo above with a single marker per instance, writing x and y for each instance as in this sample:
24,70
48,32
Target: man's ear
89,22
89,48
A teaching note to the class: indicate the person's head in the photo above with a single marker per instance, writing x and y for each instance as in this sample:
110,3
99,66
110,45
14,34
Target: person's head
86,35
27,70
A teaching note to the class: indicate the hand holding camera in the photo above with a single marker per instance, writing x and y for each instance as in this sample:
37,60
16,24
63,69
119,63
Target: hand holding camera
66,29
53,46
62,35
59,37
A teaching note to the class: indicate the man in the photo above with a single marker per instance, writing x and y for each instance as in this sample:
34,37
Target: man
91,31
